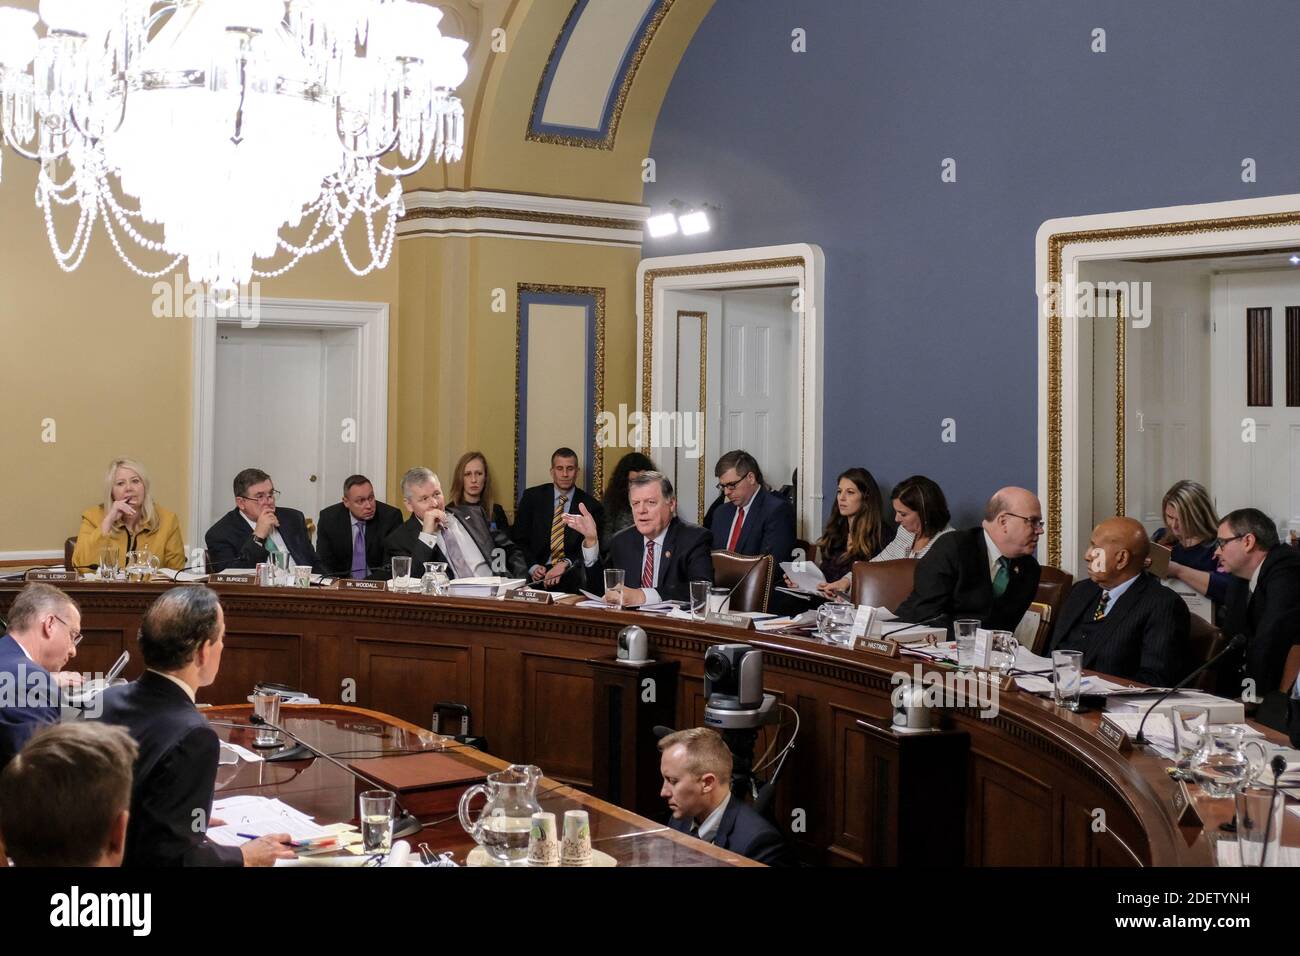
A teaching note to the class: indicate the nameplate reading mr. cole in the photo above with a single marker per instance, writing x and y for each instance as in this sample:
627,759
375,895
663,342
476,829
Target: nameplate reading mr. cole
530,596
362,584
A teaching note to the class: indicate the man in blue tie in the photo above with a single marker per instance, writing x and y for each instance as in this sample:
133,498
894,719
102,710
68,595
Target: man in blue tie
350,534
44,631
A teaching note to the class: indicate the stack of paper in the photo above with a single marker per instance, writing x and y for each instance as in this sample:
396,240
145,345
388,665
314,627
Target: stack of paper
1228,854
259,816
490,587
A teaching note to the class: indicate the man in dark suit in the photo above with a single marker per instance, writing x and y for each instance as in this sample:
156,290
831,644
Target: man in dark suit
350,535
696,767
457,537
181,639
246,536
753,520
1263,603
553,549
1124,620
44,630
660,554
987,573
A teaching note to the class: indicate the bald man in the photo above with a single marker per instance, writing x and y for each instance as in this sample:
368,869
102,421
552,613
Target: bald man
987,573
1123,619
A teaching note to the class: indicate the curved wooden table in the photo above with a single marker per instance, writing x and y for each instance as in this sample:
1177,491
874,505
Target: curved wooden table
1036,782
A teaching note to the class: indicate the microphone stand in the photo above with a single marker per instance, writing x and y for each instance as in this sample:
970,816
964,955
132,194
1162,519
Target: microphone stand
405,823
1234,644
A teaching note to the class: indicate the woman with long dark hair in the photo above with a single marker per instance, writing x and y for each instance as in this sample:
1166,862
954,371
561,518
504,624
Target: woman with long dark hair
618,513
855,530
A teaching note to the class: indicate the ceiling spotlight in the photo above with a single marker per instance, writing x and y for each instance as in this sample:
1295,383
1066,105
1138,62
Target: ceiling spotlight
664,224
694,223
1295,260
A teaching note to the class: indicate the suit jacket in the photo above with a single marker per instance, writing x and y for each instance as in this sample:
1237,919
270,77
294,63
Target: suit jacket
532,530
953,582
743,830
768,528
175,775
1270,619
687,556
231,545
41,696
1144,635
334,538
491,539
405,540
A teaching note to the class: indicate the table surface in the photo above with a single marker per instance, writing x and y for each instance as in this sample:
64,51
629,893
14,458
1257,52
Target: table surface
327,793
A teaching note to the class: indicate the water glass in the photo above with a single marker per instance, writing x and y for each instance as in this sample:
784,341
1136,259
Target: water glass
1003,649
302,575
835,623
376,813
614,583
1189,730
264,574
109,562
280,561
1259,825
267,706
718,600
401,572
700,599
964,631
1067,671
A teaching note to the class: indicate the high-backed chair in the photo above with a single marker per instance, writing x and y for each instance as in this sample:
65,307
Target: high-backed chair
1053,588
1206,640
1291,669
809,549
748,577
883,583
68,547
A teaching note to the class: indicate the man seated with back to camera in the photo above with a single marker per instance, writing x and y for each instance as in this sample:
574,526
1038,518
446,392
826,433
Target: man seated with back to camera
660,555
1124,620
987,573
65,799
696,768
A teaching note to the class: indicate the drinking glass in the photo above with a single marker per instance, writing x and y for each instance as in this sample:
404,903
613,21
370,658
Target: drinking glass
109,562
376,813
267,706
1189,729
718,600
614,582
1067,669
1259,825
302,575
964,630
700,599
280,561
401,572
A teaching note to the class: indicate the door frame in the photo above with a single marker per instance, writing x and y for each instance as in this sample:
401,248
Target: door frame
1064,391
797,264
371,321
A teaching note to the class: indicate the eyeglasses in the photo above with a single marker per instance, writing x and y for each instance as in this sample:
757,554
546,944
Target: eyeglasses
1224,542
75,635
264,497
1036,523
731,485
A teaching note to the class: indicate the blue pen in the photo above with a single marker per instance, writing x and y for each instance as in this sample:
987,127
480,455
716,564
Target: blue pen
248,836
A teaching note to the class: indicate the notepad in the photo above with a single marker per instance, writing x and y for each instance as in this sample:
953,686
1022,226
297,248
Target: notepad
428,771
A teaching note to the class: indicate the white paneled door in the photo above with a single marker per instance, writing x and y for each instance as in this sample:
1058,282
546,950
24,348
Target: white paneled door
1256,394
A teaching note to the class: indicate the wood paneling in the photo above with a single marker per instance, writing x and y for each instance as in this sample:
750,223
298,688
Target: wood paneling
557,696
410,678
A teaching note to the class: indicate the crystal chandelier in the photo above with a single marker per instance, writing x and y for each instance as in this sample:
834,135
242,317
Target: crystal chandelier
228,123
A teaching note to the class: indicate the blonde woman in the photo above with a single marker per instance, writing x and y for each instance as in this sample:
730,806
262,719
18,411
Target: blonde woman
1191,530
128,520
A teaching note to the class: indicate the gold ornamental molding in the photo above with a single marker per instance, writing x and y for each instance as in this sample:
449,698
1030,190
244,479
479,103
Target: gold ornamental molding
597,462
1056,243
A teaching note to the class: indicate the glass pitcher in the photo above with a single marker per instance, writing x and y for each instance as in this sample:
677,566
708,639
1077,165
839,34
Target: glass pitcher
435,580
1221,766
503,824
140,565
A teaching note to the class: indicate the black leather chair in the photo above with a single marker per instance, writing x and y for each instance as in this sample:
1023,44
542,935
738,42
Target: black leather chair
883,583
748,577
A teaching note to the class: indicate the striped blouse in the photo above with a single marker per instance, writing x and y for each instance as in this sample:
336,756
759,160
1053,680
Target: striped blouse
901,547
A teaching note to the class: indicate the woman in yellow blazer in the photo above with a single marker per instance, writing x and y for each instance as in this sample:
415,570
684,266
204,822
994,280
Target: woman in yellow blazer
128,520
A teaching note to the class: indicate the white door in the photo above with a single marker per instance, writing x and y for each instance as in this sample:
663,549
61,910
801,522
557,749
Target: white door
282,400
1256,437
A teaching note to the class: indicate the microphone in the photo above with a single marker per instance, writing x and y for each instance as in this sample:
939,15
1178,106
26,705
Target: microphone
1278,766
406,823
1235,644
908,627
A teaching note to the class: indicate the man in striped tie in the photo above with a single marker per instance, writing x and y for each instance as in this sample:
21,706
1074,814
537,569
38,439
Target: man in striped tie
554,550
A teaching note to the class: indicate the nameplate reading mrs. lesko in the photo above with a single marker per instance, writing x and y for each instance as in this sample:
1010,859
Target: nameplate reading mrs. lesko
50,574
731,620
362,584
530,596
1114,735
1185,807
887,647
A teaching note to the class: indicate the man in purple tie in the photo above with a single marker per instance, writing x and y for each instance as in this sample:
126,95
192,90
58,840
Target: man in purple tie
350,535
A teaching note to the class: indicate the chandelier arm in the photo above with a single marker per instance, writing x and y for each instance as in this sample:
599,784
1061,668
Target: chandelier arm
373,157
95,140
34,157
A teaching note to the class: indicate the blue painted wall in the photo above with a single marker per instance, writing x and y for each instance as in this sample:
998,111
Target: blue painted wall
930,309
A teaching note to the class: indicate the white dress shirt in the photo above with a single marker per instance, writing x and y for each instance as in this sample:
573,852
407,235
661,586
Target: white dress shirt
274,536
709,828
589,556
901,547
467,546
189,691
742,511
1254,578
1115,594
994,556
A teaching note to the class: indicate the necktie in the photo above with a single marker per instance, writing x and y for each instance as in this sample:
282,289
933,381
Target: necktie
359,552
1098,614
454,556
1001,578
648,572
270,544
557,529
735,531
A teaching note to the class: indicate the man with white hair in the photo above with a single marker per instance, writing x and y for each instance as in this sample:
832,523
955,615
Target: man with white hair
433,533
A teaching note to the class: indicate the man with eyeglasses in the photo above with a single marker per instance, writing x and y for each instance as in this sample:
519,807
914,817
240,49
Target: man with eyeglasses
256,528
753,521
350,535
1262,601
987,573
44,631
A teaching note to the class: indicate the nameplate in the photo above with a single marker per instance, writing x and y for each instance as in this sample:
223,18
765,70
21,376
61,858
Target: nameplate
887,648
731,620
362,584
244,578
49,574
1114,735
1185,807
983,652
529,596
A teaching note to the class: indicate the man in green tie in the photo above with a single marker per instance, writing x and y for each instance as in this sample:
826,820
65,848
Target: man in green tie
987,573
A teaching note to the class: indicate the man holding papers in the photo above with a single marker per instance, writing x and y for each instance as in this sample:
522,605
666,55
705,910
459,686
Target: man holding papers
660,554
